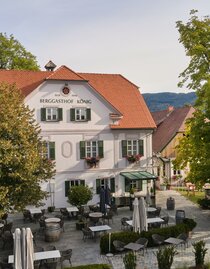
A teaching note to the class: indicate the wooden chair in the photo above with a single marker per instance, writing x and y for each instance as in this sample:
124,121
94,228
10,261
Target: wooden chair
108,216
165,220
27,216
124,224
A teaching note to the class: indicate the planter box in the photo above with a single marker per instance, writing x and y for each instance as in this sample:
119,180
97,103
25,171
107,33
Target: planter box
163,187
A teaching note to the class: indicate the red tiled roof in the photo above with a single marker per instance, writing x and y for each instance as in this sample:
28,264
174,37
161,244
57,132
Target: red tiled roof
170,126
117,90
64,73
27,81
125,97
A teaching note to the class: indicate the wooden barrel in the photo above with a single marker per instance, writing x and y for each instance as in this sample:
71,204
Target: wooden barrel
170,204
52,232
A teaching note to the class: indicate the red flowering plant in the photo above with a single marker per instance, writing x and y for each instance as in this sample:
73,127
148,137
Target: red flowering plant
92,161
133,158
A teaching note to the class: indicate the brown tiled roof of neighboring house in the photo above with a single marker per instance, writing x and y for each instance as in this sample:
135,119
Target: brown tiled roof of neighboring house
172,124
123,95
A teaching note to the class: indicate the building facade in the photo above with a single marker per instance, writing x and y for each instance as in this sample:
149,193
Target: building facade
96,127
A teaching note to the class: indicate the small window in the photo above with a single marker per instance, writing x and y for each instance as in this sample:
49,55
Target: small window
51,114
103,182
48,150
80,114
71,183
91,149
132,147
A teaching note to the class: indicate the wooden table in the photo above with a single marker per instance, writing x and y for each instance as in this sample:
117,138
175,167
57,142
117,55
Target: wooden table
40,255
100,228
95,216
71,209
174,241
134,246
149,221
52,220
34,210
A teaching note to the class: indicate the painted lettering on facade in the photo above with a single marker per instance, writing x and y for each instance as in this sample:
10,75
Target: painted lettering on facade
64,101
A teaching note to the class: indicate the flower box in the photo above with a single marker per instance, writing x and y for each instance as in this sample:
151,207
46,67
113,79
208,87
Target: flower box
92,161
133,158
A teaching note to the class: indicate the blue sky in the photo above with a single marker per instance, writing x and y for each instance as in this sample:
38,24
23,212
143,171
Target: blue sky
136,38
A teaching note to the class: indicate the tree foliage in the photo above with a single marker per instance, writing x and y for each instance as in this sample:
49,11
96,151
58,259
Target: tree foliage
22,167
79,195
14,56
194,147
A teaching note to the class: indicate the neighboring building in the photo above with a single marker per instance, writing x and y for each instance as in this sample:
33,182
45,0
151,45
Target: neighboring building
170,127
90,123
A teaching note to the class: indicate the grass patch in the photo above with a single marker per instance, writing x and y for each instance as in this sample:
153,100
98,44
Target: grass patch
192,197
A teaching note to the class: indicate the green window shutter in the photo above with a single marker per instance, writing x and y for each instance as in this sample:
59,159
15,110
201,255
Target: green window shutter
72,114
82,149
67,187
112,184
82,182
98,185
52,150
43,114
139,185
124,148
127,185
141,147
60,114
101,148
88,111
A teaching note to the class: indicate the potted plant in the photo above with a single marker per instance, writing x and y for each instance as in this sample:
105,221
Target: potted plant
92,161
129,260
78,196
165,257
51,209
133,158
200,252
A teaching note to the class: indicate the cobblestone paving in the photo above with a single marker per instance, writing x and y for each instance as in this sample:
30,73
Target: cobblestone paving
89,252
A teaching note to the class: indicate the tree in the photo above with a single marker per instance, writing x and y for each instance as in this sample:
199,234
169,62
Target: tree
14,56
194,147
22,167
79,195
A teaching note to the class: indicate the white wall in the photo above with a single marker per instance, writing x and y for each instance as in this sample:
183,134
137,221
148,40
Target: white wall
67,134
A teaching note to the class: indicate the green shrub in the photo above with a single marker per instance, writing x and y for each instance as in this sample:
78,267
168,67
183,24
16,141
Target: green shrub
200,252
204,203
90,266
129,260
165,257
127,236
79,195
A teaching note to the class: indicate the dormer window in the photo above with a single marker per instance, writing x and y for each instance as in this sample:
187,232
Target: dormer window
80,114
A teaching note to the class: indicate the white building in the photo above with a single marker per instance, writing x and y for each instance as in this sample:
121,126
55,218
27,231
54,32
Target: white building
89,115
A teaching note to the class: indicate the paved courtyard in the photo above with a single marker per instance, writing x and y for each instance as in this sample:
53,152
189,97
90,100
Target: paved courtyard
89,252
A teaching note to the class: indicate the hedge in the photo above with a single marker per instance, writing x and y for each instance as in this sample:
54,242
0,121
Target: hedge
129,236
90,266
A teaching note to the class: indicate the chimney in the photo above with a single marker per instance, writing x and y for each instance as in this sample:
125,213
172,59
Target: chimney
50,66
170,108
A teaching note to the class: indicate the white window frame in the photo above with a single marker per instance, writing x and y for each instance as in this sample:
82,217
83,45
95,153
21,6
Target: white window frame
91,148
51,114
46,154
132,147
74,182
80,114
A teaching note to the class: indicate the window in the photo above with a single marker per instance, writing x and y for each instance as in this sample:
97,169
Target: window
177,172
103,182
133,184
80,114
91,149
48,150
71,183
51,114
132,147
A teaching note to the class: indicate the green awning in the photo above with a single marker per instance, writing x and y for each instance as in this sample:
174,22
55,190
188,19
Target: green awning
138,175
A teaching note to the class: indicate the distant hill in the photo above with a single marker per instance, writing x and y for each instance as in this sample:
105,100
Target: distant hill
160,101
